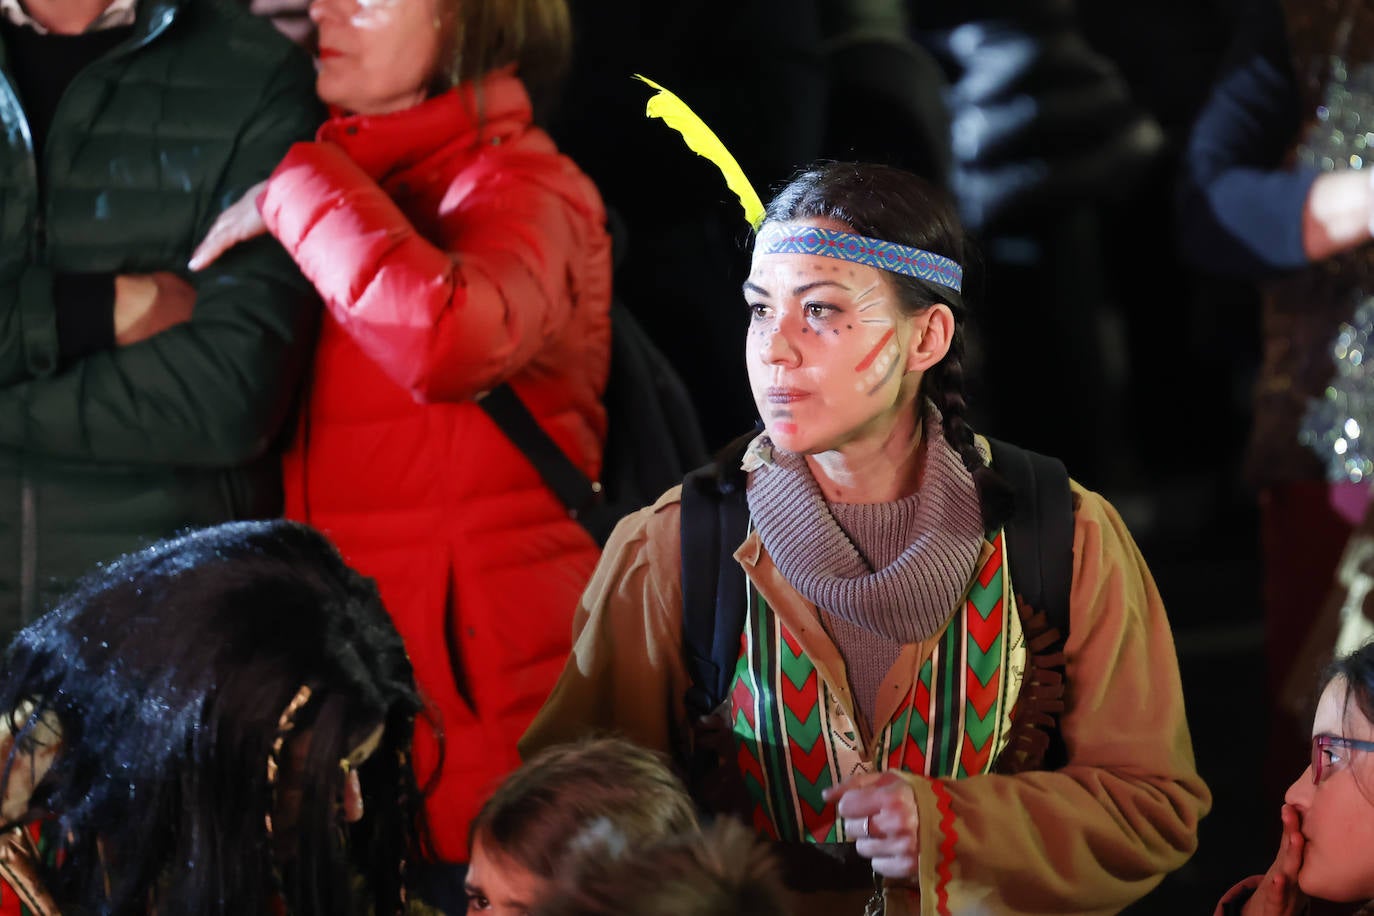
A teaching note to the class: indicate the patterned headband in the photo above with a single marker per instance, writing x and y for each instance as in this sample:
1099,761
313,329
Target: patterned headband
780,238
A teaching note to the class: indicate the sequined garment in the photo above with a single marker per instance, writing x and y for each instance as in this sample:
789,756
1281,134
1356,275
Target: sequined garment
1313,390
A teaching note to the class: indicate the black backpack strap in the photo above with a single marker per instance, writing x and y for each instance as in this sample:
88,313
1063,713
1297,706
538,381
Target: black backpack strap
555,468
1040,531
714,522
1040,549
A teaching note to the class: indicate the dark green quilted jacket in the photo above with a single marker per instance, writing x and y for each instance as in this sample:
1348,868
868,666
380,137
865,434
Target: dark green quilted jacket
149,143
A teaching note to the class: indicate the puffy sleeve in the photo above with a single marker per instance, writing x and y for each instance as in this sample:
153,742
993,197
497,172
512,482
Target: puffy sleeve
447,319
626,674
1103,830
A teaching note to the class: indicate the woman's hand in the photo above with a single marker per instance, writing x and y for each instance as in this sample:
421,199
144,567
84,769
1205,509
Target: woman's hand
148,304
239,223
880,810
1276,891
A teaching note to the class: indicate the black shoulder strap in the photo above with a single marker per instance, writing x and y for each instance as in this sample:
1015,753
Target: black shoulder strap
1040,531
714,522
555,468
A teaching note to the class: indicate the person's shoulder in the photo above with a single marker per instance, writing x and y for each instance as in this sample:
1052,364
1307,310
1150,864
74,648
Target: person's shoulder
655,523
232,42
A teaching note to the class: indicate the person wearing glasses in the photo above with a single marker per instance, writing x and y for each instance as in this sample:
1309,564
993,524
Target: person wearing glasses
1328,811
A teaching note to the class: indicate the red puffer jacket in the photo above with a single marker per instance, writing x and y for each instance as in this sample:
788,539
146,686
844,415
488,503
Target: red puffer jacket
455,249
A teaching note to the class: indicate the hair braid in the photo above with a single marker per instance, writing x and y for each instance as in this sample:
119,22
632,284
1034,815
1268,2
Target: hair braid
944,384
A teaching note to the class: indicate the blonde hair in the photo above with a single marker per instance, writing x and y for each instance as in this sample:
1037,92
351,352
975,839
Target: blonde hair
485,35
536,815
722,871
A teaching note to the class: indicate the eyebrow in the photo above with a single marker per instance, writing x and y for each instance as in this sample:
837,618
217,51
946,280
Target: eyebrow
798,291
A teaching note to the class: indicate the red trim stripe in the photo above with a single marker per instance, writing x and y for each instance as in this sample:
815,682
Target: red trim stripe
944,871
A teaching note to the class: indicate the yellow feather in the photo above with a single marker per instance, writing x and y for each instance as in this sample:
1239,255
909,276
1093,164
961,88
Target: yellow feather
703,141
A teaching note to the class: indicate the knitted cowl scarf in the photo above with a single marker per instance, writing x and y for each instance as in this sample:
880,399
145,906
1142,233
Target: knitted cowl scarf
938,530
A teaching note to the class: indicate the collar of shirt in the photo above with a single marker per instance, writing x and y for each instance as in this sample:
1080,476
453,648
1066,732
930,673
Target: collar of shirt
118,13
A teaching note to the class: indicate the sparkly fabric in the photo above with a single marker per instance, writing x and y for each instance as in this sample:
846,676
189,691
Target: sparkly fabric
779,238
1341,136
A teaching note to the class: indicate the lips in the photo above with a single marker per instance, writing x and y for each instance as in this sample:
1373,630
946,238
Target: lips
326,53
785,395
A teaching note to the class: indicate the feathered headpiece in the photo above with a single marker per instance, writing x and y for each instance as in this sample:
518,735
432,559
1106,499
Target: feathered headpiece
830,243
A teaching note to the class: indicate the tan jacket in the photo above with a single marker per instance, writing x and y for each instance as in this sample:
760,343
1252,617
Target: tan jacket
1089,838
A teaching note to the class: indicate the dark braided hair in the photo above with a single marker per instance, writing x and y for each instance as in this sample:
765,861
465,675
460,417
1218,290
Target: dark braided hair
889,204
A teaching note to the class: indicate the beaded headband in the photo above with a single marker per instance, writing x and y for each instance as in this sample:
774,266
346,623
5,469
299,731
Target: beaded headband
779,238
846,246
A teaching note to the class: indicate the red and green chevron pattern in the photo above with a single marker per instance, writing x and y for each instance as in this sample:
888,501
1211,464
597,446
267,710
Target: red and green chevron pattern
985,621
950,724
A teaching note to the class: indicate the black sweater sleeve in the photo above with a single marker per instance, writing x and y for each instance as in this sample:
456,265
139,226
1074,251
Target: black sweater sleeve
84,304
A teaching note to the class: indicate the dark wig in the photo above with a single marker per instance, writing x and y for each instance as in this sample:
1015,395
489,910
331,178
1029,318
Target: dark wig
889,204
168,671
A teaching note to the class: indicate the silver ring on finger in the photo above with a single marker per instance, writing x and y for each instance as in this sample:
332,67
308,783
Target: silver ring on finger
868,825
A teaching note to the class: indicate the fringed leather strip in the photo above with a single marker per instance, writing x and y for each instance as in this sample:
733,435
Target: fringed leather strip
19,870
944,870
1040,702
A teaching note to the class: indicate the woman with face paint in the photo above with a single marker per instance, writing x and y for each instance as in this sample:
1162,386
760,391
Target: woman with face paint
1328,815
455,251
885,719
216,725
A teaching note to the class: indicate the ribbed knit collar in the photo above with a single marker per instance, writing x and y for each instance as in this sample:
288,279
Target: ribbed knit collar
909,599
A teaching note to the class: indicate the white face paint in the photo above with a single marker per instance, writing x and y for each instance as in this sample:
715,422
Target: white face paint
826,349
376,56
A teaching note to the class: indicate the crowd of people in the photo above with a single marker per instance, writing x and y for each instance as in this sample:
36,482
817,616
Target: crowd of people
294,381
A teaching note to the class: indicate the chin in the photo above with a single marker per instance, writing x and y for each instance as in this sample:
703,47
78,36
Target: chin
1345,888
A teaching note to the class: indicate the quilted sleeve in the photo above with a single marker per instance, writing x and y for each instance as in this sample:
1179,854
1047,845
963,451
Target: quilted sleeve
448,319
215,390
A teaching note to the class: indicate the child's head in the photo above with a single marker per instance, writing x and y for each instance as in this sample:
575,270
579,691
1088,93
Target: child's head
1334,796
723,871
522,835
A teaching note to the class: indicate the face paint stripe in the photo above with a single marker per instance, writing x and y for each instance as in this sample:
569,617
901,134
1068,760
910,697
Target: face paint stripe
891,370
873,354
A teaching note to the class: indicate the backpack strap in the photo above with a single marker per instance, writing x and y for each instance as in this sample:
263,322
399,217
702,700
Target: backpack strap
714,522
1040,530
573,489
1040,549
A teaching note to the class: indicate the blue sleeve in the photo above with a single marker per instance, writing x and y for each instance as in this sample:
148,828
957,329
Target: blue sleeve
1239,210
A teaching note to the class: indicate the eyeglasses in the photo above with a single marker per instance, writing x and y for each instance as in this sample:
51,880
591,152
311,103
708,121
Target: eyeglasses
1326,756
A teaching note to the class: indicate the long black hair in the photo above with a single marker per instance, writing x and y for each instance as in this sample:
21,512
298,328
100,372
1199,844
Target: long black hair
887,203
168,671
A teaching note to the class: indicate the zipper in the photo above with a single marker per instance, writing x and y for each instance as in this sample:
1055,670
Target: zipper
37,253
28,503
165,17
28,550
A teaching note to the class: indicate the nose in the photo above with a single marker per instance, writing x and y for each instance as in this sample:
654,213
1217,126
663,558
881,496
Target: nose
1299,794
319,10
778,347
